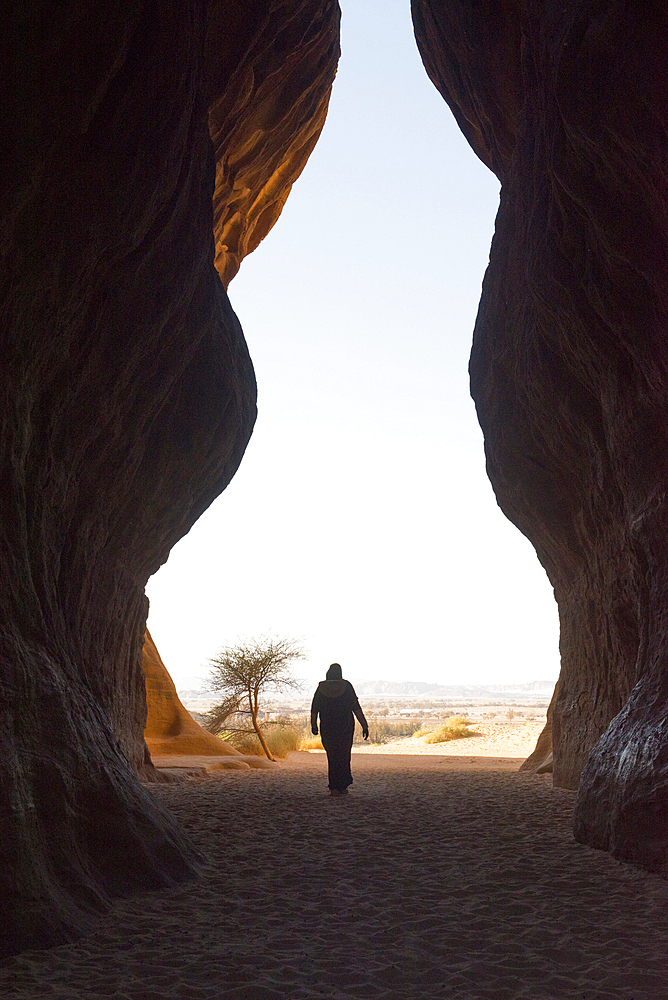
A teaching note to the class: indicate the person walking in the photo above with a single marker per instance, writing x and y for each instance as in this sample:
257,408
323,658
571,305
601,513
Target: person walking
336,703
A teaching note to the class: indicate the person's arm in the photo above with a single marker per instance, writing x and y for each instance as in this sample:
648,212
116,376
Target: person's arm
359,715
315,705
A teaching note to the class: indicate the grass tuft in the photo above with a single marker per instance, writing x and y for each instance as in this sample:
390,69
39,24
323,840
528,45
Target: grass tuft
384,732
379,732
280,737
456,728
311,742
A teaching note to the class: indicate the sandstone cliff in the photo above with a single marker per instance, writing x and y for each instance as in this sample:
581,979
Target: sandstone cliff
128,399
569,370
267,110
266,115
170,729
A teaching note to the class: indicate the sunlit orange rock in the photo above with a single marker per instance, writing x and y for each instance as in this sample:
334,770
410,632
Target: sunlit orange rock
266,120
170,729
271,71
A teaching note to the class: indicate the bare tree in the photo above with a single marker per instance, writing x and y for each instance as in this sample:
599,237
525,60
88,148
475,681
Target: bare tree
243,673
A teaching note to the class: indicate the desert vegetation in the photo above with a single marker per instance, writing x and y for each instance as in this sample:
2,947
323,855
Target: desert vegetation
455,728
381,731
285,734
279,737
242,674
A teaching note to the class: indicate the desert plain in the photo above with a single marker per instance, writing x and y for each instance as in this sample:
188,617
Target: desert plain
445,873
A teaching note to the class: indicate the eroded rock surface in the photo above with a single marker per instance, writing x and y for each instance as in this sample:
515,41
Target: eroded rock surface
128,399
541,761
266,115
170,729
569,370
271,70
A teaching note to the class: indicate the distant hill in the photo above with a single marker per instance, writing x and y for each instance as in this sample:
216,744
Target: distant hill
201,700
423,689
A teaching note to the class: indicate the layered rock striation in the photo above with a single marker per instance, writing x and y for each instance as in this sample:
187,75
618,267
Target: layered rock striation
569,368
128,398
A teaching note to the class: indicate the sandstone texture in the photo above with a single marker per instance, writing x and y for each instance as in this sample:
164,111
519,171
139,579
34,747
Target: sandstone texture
128,398
170,729
541,760
266,113
567,104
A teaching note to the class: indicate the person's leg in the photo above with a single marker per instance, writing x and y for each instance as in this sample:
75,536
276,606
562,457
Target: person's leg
338,767
340,777
338,746
343,777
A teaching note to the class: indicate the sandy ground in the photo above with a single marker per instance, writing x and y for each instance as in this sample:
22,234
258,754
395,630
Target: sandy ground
492,739
440,875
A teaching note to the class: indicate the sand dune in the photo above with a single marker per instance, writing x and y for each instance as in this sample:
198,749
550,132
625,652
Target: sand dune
438,876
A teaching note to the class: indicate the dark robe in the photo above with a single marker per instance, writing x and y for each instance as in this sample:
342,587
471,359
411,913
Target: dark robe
335,702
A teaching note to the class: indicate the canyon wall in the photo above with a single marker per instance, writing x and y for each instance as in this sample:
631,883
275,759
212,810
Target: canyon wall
128,394
267,109
170,728
569,369
266,114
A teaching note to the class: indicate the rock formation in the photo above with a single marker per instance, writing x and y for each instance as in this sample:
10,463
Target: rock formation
128,394
170,729
569,370
266,114
541,761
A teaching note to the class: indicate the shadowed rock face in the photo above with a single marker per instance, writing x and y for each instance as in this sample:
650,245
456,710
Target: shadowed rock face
569,370
268,109
128,398
541,760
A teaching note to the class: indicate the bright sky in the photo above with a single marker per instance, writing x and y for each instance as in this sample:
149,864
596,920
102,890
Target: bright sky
361,520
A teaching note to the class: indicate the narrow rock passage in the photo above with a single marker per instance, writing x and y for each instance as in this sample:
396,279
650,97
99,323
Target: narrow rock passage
422,883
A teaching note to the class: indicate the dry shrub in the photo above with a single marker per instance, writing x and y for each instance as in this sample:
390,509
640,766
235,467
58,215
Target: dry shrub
454,729
379,732
384,732
282,739
279,737
311,742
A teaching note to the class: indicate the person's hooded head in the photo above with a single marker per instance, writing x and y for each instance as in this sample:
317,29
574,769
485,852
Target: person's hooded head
334,673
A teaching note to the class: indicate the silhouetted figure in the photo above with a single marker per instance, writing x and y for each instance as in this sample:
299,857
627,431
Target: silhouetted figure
335,701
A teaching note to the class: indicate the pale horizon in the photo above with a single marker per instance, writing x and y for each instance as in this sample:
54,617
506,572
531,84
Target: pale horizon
503,685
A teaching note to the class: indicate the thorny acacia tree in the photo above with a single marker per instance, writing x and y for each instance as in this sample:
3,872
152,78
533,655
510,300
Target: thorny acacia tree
243,673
